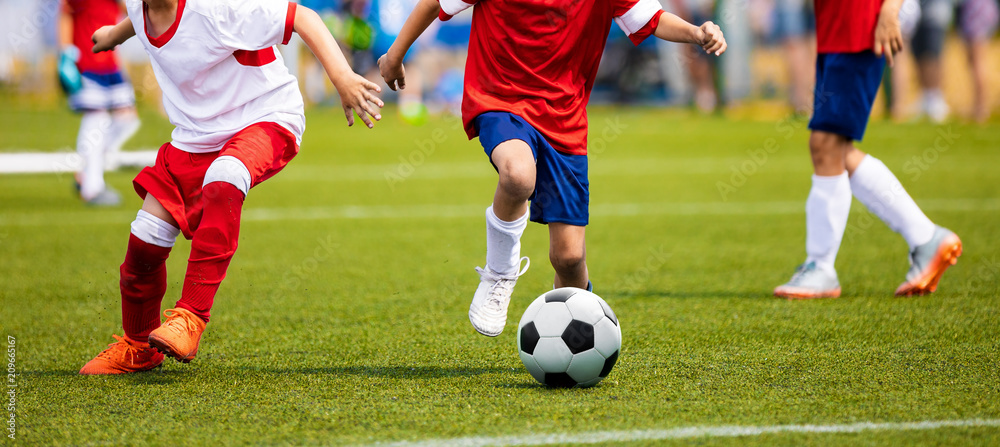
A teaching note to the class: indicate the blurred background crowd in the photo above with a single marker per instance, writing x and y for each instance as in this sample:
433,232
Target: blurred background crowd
947,71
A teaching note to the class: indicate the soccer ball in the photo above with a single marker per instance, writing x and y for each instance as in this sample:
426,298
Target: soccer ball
569,337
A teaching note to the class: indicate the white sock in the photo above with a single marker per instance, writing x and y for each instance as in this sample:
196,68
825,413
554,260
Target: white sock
503,243
123,126
827,208
90,144
875,186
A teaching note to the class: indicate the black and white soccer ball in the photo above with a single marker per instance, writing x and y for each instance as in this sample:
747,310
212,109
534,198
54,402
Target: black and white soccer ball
569,337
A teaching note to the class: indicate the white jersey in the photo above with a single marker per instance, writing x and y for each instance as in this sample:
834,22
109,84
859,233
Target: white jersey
219,70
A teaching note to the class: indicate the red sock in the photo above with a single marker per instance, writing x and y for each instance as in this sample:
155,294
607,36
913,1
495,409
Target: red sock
143,283
212,247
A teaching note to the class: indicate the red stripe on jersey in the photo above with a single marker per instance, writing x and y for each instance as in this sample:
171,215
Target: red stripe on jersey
258,58
647,30
162,39
289,23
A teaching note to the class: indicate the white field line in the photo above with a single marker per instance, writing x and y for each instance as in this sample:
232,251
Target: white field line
53,162
388,212
723,431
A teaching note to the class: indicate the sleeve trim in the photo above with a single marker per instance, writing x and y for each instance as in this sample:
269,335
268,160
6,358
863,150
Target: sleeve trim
638,16
647,30
289,23
451,7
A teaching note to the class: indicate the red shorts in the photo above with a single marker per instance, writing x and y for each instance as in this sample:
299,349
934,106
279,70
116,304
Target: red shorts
175,180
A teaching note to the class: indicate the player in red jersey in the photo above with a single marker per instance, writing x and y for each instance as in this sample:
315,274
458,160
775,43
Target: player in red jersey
855,38
528,78
98,90
239,120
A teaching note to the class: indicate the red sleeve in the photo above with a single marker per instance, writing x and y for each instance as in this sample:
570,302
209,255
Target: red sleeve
647,30
289,23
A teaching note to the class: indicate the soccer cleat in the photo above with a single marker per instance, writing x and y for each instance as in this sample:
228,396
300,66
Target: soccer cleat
122,357
488,312
809,282
929,261
178,337
107,197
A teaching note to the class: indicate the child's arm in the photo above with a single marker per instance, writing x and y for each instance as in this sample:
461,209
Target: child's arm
108,37
355,91
888,36
675,29
390,65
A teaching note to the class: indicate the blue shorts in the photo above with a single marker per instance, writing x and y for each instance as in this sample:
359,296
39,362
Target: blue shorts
562,191
103,92
846,84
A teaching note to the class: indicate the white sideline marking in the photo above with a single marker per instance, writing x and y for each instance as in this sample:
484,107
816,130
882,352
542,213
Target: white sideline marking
722,431
122,217
51,162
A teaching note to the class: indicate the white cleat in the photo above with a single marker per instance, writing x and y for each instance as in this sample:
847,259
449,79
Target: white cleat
488,312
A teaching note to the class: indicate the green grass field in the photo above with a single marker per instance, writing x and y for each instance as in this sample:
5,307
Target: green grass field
343,318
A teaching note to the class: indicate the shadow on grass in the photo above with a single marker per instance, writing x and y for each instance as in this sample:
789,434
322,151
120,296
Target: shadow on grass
684,294
396,372
156,376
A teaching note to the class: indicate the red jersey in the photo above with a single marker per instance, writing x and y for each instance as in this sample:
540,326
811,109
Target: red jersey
846,26
538,58
88,16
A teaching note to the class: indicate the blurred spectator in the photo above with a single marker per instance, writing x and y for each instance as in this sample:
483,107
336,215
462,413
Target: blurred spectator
927,45
977,22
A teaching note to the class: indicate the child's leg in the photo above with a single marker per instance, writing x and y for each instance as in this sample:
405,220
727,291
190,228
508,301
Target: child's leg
568,254
144,273
508,217
878,189
829,201
124,123
214,242
90,145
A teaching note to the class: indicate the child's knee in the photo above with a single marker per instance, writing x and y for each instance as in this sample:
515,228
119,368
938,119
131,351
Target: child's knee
518,179
828,148
567,260
231,170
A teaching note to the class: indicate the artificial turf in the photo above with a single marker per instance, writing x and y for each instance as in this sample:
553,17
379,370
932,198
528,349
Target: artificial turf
343,317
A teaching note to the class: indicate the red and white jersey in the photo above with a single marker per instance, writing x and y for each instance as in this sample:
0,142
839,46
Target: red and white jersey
846,26
538,59
87,17
219,70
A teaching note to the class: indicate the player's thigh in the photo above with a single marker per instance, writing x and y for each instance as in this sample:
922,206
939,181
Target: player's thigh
153,206
567,241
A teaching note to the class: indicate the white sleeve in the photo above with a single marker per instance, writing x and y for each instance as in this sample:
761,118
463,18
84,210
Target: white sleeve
254,24
634,17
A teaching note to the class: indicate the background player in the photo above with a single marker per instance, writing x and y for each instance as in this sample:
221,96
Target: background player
529,73
239,118
99,90
848,72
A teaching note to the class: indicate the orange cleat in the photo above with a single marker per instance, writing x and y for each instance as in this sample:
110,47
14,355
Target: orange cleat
809,282
178,337
929,261
122,357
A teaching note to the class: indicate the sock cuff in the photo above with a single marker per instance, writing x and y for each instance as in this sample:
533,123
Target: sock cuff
153,230
830,179
515,225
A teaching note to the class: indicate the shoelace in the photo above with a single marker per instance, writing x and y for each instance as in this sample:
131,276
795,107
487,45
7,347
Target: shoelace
129,349
502,286
800,272
184,323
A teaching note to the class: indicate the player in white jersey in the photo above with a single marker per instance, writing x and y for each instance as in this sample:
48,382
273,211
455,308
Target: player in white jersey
239,120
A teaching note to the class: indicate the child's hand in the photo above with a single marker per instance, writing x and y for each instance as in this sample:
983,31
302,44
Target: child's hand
356,97
712,40
392,73
888,36
102,39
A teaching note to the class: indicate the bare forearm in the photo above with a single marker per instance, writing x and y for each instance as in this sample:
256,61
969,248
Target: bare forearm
675,29
65,30
122,31
317,37
892,7
418,21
